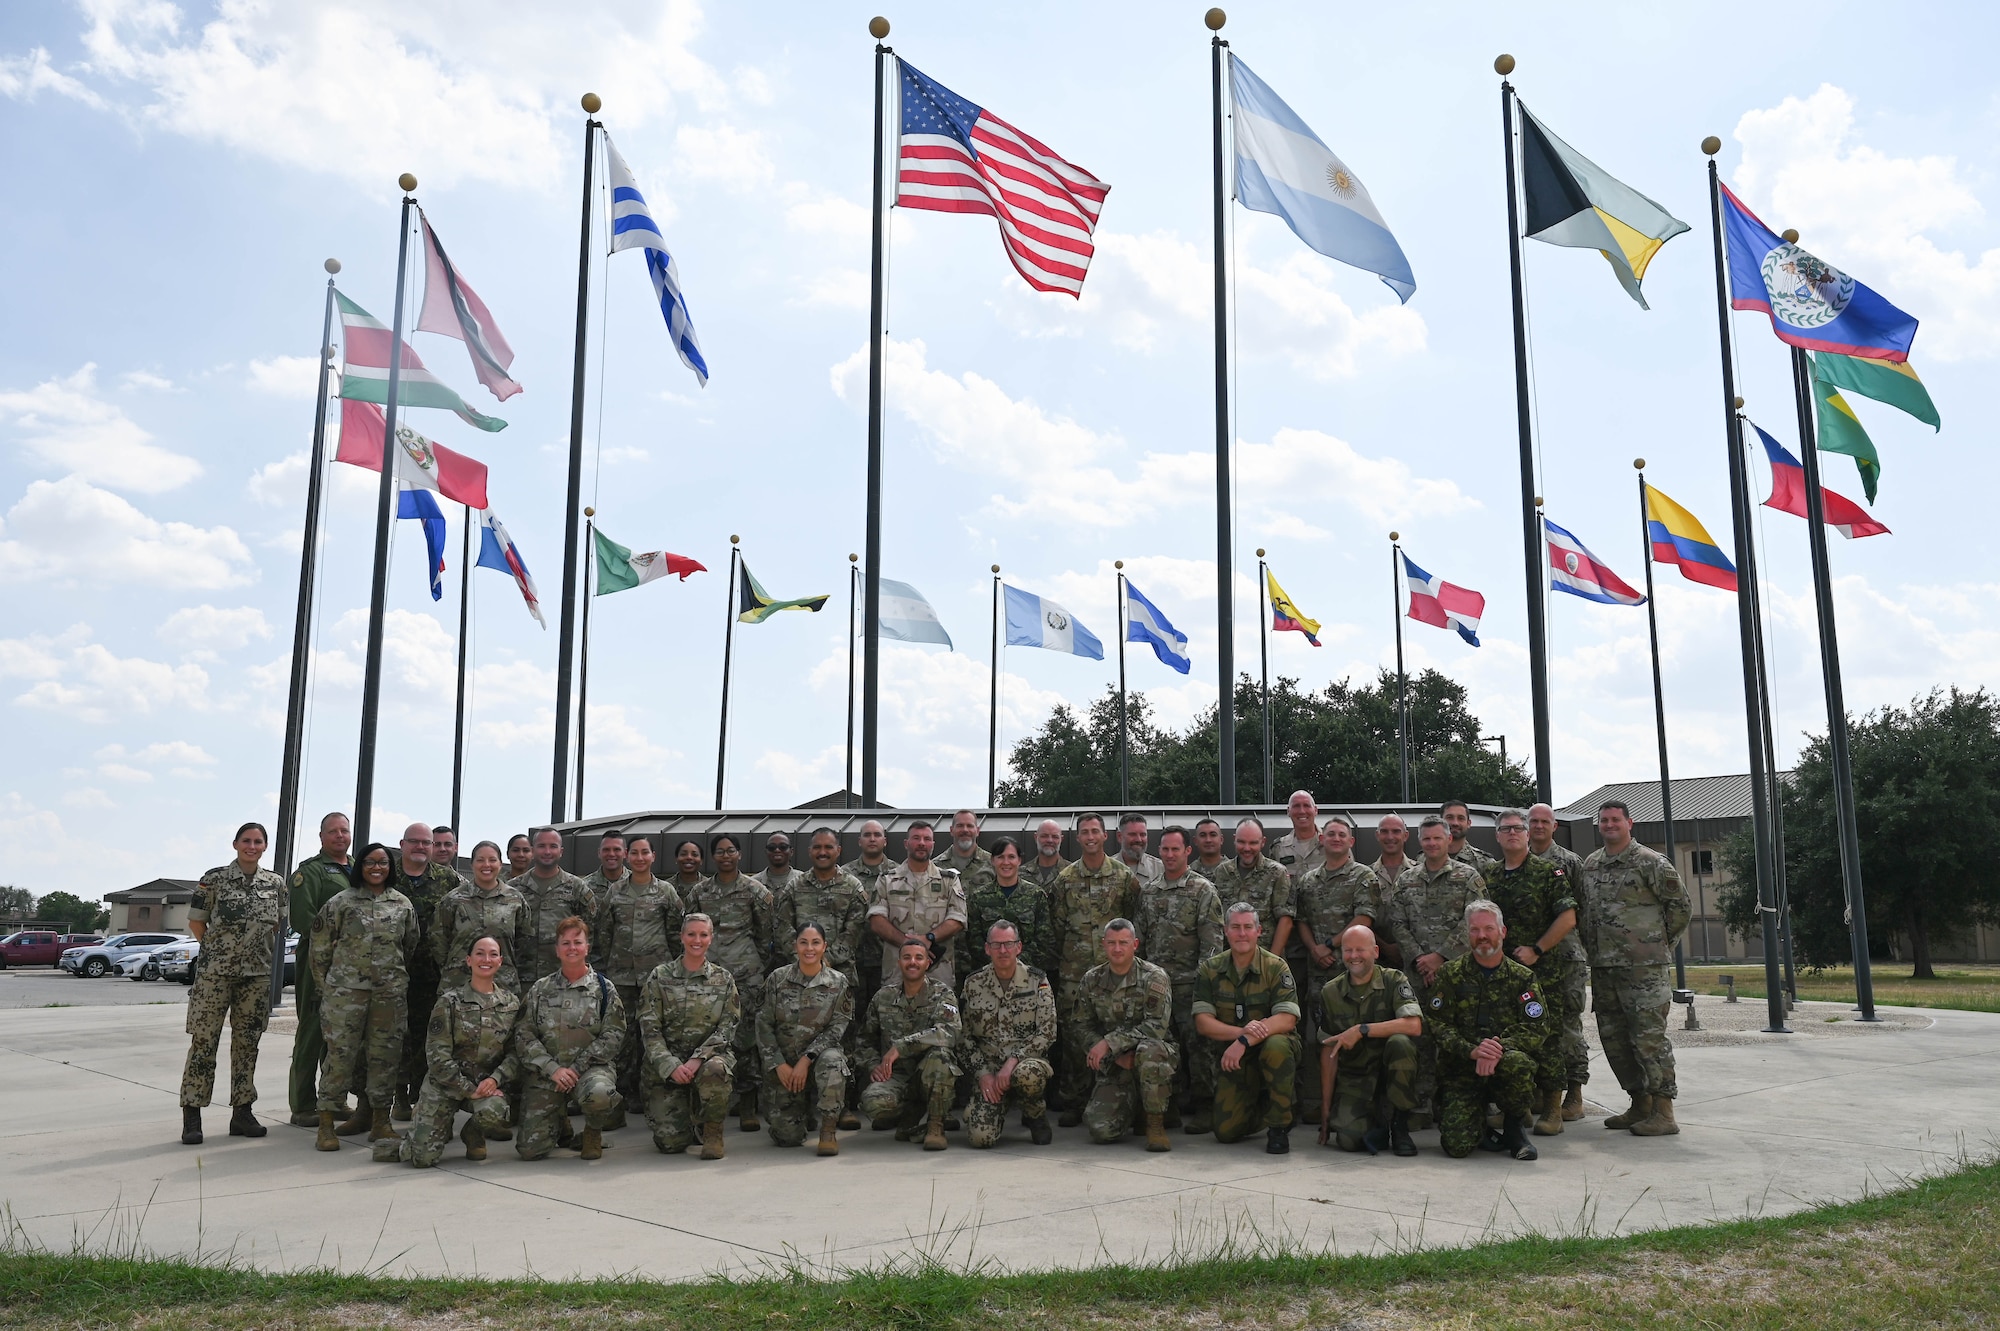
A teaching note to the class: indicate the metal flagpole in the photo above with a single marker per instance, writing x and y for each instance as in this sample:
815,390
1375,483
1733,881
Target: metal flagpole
728,647
1532,546
1225,562
1124,731
295,698
1755,584
1402,680
464,622
1264,663
385,500
853,588
583,656
566,648
1681,993
871,613
993,699
1747,628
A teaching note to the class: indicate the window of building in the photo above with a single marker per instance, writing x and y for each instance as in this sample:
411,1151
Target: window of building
1702,861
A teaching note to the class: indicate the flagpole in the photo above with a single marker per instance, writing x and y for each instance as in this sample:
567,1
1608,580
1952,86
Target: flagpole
728,647
385,497
295,697
871,612
993,700
566,647
1264,659
583,662
853,587
1402,680
1779,894
1660,729
464,622
1225,564
1531,547
1747,628
1124,731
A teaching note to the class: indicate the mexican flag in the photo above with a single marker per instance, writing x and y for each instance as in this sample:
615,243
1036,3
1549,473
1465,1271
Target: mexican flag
364,375
619,570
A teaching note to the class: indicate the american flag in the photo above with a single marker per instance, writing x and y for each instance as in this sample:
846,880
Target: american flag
958,158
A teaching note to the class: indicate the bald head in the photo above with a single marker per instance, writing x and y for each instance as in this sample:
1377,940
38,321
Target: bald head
416,848
1541,827
1358,951
1392,834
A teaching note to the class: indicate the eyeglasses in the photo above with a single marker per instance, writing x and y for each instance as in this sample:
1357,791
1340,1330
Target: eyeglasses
1505,828
1008,945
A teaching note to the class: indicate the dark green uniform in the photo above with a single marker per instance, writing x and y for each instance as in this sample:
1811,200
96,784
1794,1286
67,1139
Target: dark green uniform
1375,1069
1530,898
426,891
1468,1004
1265,1077
314,883
1026,905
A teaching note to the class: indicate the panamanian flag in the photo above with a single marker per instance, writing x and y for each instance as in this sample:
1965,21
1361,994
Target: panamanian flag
1441,604
1573,569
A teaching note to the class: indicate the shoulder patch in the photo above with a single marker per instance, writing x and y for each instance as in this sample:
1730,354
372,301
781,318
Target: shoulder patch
1437,1000
1533,1009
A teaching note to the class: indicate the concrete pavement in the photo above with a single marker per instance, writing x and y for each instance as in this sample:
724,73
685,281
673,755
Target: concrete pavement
89,1131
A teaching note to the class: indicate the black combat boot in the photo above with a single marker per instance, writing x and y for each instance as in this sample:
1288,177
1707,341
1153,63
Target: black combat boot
190,1126
1278,1141
243,1123
1514,1140
1399,1133
1038,1129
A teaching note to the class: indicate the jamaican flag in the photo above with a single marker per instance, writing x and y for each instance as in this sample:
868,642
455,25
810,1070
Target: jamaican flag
1570,200
754,605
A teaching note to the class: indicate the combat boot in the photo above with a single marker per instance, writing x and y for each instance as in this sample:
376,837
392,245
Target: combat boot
1642,1109
1514,1140
711,1141
1399,1133
1660,1123
359,1121
592,1146
379,1127
243,1123
401,1111
829,1134
1156,1133
1550,1123
750,1121
498,1134
911,1126
1038,1129
1278,1141
849,1121
565,1130
328,1139
190,1126
934,1134
474,1139
305,1118
1573,1102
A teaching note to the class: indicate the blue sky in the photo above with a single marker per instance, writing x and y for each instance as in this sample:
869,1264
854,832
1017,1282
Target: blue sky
182,170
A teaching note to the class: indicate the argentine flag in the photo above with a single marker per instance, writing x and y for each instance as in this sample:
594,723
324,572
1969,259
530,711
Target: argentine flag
1144,623
1034,621
633,228
1283,168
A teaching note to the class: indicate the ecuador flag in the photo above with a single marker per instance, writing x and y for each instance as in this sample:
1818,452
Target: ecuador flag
1285,615
1679,538
1570,200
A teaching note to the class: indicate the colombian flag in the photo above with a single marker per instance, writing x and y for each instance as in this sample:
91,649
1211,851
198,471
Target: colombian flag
1286,615
1679,538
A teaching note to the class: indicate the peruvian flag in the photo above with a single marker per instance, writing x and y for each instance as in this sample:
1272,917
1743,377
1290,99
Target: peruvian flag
1437,602
1788,494
420,463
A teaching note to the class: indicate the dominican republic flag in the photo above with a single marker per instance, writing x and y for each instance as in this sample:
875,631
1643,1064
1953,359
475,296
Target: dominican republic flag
1573,569
1144,623
423,506
1035,621
455,310
420,463
1437,602
497,550
954,157
1788,494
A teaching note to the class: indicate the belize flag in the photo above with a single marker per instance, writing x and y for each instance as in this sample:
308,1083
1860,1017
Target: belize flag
1437,602
1788,494
1573,569
1812,304
1036,621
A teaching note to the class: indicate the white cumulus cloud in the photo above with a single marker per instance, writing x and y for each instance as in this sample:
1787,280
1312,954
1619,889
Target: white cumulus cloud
65,424
210,629
70,529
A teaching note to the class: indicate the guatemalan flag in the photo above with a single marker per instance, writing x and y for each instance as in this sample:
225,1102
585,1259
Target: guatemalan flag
498,551
1573,569
1035,621
1437,602
633,228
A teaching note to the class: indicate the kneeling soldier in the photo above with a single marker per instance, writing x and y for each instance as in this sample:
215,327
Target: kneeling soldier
915,1025
688,1014
1246,999
1127,1010
572,1025
1488,1022
1370,1024
808,1006
468,1062
1010,1024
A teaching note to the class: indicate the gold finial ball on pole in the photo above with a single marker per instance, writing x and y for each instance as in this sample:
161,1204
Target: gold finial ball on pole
1739,404
1503,65
878,27
1711,145
407,182
996,568
592,103
1215,18
1638,464
854,559
733,540
1395,536
589,512
1538,501
1260,552
1791,235
1118,563
332,266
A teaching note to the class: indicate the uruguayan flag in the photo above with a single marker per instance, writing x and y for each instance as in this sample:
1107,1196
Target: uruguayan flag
1145,623
908,617
1283,168
633,228
1033,621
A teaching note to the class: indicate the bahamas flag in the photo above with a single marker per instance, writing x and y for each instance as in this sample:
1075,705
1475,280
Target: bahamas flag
1286,615
1679,538
1570,200
1812,304
754,605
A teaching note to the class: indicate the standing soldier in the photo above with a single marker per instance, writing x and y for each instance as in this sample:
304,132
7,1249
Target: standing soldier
238,916
1635,909
1004,893
915,1026
1260,880
572,1026
1488,1023
1458,818
687,867
777,874
1576,980
1538,901
314,883
808,1006
1299,849
426,883
520,855
1392,835
484,908
1089,894
1180,923
468,1056
1426,917
1128,1009
739,911
919,900
833,899
362,944
688,1014
1132,835
1010,1026
867,869
610,865
1336,892
1244,998
1048,864
1369,1027
553,895
638,927
964,857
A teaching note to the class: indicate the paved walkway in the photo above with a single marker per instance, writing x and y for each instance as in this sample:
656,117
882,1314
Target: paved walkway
89,1133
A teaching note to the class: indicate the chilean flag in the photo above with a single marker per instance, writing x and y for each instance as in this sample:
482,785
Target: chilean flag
1435,601
1573,569
498,551
1788,494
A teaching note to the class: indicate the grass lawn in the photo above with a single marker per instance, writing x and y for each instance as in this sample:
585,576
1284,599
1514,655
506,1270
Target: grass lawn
1965,988
1924,1256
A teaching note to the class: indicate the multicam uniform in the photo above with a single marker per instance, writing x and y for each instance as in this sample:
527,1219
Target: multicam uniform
1043,875
1530,898
550,902
1373,1069
1180,926
1084,901
924,1030
426,891
1634,909
1576,979
638,927
839,906
741,913
1266,886
469,1038
1472,855
1133,1015
804,1015
969,868
314,883
1269,1070
1468,1005
244,913
683,1016
362,944
1324,901
468,914
577,1024
1006,1019
867,958
1427,915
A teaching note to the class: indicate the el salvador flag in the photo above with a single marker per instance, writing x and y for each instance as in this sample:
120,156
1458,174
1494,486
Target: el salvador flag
1283,168
633,228
1034,621
1144,623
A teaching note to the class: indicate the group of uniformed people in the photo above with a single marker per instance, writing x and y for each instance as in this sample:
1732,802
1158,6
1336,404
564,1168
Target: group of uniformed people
1119,990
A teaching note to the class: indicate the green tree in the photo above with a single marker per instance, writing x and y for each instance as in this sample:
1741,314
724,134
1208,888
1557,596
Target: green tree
1927,812
82,915
16,901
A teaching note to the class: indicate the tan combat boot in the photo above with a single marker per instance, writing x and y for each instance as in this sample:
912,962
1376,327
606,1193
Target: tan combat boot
328,1139
592,1145
359,1121
1642,1108
1573,1102
934,1134
379,1125
829,1139
711,1141
1549,1123
1660,1123
474,1139
1156,1133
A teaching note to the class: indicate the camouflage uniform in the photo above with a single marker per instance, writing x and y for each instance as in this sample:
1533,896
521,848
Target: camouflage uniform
1468,1004
918,904
971,869
1323,900
840,908
1008,1019
1084,901
362,945
1149,870
867,973
1180,926
426,892
804,1015
775,883
1267,887
1576,980
1043,875
577,1024
741,913
467,1041
638,927
550,902
1373,1070
244,914
1300,857
315,882
1530,898
1426,915
467,915
599,885
1634,909
686,1015
1474,856
1026,907
1269,1069
1385,880
924,1030
1133,1014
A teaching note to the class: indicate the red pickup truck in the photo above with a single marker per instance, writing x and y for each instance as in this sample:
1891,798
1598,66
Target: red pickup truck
39,947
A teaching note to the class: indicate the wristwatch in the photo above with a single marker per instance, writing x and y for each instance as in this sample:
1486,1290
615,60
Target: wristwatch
1364,1030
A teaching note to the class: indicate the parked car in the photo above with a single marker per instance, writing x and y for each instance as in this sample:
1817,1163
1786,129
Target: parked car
140,965
176,961
99,959
30,947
